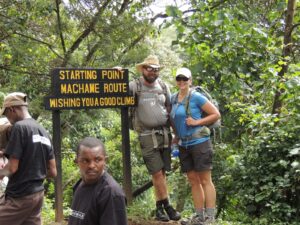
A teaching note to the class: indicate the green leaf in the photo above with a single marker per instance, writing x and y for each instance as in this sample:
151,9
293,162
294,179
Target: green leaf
218,23
260,31
173,11
294,151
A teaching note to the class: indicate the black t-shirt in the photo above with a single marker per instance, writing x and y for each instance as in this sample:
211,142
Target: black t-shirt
102,203
30,144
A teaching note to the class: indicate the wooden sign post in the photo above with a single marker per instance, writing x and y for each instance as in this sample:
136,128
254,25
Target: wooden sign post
82,88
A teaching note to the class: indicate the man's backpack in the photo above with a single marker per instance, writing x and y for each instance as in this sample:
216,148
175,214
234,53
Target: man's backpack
201,90
151,118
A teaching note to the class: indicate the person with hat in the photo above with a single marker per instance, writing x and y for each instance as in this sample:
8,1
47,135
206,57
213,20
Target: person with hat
195,147
30,160
5,128
151,122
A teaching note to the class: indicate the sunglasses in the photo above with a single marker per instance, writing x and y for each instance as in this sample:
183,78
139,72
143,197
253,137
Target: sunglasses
182,79
151,69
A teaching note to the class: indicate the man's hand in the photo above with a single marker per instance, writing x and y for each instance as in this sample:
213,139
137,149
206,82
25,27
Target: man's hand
175,140
118,67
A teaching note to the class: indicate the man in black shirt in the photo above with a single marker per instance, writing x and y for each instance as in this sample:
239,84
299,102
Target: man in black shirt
30,160
98,199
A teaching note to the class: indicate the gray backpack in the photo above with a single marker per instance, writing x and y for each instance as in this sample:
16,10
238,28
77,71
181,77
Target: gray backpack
150,112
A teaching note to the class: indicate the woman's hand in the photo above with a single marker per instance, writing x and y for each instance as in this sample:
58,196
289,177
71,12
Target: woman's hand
191,122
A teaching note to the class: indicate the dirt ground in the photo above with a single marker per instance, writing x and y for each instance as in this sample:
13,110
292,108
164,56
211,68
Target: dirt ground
137,222
150,222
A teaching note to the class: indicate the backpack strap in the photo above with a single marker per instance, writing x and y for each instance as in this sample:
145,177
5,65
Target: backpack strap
163,85
174,98
138,87
191,91
187,104
165,92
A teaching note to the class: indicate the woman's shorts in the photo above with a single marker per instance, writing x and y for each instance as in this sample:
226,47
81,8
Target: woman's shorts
196,157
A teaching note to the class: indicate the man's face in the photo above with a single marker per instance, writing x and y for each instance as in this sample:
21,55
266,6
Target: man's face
91,162
11,114
150,74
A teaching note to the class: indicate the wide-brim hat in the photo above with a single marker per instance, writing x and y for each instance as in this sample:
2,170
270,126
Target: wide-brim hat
14,99
184,72
151,61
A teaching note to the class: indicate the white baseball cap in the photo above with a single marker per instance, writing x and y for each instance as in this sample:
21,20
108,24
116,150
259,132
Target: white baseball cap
184,72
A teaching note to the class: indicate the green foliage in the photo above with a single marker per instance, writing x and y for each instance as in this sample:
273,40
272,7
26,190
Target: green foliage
270,171
234,49
260,175
142,206
48,213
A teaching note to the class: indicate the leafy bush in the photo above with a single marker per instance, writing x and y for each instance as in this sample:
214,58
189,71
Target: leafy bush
267,178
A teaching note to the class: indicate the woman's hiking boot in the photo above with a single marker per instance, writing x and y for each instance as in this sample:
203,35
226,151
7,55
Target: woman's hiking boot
195,220
209,221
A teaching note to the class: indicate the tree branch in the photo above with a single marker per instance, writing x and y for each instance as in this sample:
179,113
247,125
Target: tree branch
84,34
7,68
135,41
59,26
94,48
124,6
293,27
39,41
164,15
92,52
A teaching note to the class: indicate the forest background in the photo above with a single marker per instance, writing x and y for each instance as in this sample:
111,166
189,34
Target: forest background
246,53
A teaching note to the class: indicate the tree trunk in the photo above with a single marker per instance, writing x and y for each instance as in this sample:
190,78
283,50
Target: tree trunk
287,49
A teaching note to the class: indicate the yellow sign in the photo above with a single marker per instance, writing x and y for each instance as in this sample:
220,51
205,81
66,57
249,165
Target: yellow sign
89,88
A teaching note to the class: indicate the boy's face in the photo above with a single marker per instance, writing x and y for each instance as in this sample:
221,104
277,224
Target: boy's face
91,162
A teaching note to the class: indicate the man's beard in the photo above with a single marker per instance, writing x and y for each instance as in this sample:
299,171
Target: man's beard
150,79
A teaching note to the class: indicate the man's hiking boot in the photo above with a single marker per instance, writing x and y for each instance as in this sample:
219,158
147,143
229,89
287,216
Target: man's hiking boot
160,214
172,213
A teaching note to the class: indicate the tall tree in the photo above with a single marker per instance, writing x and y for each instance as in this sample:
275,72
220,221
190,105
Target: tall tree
286,52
